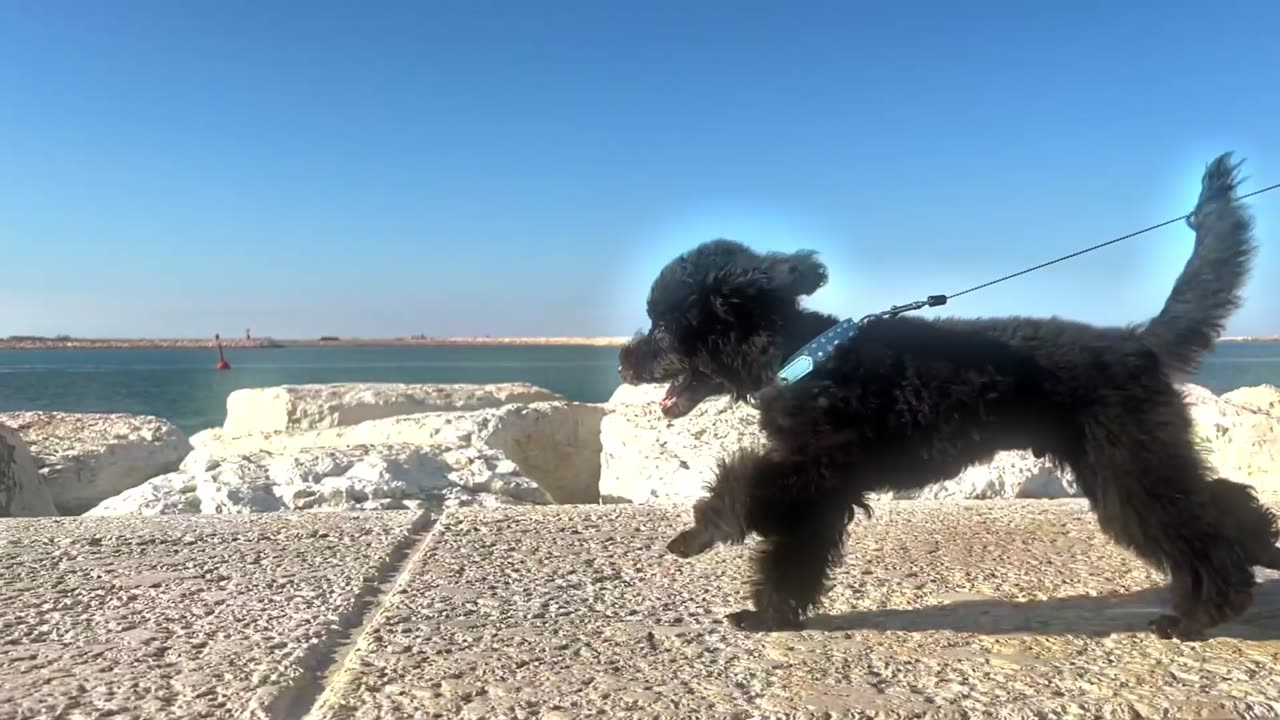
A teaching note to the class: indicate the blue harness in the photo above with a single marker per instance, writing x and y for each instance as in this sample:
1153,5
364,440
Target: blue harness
820,348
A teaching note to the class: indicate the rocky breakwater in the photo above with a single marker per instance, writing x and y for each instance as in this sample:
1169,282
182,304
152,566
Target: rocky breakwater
386,446
648,458
22,490
295,408
381,446
85,458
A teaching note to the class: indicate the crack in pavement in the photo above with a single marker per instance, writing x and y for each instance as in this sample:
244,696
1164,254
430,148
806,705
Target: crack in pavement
324,661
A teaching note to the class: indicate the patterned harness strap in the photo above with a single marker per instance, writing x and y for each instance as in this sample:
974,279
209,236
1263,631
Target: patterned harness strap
820,348
807,358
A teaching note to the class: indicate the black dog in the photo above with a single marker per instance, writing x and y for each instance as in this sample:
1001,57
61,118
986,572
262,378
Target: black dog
907,402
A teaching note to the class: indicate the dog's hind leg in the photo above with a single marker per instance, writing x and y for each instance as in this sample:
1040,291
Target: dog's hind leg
1253,524
1152,494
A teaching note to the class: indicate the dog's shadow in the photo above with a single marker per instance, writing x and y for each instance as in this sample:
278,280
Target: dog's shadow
1095,615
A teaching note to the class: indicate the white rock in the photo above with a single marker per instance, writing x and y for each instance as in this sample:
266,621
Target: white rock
1014,474
648,458
1241,433
540,453
1263,398
638,396
292,408
380,477
22,490
88,457
556,444
206,436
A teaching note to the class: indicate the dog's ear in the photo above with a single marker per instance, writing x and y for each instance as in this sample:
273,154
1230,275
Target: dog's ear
736,288
733,286
797,274
746,279
774,277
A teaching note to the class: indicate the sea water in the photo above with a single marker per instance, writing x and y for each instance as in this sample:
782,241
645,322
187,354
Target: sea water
183,387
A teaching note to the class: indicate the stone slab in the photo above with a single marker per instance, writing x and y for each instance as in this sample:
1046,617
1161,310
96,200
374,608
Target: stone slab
184,616
1009,609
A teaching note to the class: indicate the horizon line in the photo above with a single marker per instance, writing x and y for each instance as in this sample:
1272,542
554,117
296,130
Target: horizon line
44,342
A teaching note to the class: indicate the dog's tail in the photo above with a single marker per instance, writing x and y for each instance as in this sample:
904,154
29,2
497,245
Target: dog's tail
1208,291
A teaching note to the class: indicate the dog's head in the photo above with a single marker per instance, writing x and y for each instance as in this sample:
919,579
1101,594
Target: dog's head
722,320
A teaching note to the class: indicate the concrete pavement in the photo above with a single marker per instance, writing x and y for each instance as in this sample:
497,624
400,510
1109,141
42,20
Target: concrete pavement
1015,609
184,616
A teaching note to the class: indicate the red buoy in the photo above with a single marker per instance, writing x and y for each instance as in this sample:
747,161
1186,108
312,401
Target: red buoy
222,360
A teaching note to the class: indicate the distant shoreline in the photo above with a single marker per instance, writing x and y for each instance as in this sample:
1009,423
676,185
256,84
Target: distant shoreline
34,343
40,343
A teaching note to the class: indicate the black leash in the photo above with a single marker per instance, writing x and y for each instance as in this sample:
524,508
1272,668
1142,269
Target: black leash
936,300
808,357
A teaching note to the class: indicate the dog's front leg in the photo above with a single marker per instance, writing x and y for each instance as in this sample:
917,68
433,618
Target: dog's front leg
790,504
801,514
791,573
719,517
723,514
694,541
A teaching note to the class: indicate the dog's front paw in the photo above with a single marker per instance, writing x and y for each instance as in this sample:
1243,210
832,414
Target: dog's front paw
689,543
1171,627
756,621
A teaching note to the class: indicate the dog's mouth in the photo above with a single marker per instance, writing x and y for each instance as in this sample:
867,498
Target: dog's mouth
684,394
643,361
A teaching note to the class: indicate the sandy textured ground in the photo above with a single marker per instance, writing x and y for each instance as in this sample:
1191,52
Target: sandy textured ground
182,617
989,609
982,609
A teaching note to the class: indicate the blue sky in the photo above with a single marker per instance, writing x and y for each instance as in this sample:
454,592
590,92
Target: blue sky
478,167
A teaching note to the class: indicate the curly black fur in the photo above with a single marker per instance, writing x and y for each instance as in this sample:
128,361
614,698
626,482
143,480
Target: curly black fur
909,402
